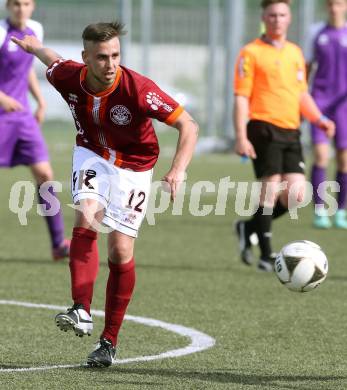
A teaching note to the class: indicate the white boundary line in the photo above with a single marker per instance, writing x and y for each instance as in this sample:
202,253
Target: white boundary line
199,341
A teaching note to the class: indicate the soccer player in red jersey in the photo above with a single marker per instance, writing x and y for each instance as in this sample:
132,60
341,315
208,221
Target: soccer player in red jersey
116,149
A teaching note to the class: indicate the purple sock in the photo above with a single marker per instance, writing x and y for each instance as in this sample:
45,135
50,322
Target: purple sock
55,222
317,177
341,178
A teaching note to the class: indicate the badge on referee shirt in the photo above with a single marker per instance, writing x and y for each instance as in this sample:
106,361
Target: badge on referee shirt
244,66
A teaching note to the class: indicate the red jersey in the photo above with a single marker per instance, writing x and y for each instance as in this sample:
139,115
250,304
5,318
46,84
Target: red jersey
116,123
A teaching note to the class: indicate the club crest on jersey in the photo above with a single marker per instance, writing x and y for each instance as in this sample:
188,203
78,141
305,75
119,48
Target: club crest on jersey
120,115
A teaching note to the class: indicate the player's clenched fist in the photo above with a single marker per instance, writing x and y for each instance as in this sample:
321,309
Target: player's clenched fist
29,43
243,147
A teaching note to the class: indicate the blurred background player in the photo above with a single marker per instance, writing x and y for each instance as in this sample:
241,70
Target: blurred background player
271,91
112,169
327,56
21,140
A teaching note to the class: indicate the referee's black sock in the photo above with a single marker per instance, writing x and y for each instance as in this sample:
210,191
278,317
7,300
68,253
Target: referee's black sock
249,227
262,226
279,210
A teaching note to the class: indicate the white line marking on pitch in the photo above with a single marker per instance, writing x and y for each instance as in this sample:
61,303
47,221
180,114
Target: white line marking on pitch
199,341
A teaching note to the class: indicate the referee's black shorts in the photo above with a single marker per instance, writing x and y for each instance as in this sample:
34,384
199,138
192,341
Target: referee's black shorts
278,150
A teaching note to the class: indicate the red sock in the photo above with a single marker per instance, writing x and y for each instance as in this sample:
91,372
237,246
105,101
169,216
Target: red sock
84,265
120,286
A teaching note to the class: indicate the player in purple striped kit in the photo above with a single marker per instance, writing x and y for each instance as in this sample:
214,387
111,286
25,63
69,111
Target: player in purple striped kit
327,52
21,140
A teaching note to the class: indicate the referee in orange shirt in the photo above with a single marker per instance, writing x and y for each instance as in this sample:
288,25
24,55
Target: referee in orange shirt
270,95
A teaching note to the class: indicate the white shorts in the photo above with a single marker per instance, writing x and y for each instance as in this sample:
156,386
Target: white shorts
123,193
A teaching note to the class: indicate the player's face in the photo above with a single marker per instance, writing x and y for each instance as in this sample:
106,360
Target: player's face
102,59
277,18
20,10
337,8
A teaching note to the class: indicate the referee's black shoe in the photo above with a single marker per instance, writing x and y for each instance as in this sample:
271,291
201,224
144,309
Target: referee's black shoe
267,265
245,245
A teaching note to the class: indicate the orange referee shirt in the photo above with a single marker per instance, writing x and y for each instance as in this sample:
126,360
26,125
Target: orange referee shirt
273,79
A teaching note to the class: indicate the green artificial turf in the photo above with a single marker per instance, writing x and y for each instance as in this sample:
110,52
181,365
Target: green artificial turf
188,273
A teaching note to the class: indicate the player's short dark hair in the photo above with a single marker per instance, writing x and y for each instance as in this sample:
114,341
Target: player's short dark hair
9,1
265,3
101,32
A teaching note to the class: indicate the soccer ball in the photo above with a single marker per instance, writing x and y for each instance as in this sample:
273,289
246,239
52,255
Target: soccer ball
301,266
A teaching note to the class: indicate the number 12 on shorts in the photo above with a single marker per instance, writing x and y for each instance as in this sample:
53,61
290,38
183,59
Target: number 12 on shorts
136,199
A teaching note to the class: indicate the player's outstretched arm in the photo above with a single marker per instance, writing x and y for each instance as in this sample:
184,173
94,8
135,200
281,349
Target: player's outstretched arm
32,45
188,134
312,113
